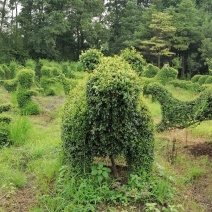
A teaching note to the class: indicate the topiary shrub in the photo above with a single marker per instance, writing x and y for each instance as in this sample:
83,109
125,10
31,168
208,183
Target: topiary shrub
108,119
176,113
166,74
4,125
30,64
150,71
195,78
2,73
13,66
208,80
24,93
6,71
10,85
90,59
202,79
50,80
134,58
187,85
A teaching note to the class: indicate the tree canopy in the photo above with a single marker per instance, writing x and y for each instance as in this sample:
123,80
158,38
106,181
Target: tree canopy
60,30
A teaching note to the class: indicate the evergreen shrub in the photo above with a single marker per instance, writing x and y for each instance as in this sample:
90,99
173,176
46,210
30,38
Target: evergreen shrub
135,59
10,85
108,119
13,66
24,93
48,80
31,64
90,59
187,85
208,80
4,125
150,71
202,79
6,71
2,73
166,74
176,113
195,78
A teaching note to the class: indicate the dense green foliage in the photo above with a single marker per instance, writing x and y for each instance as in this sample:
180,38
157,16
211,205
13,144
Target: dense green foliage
90,59
160,31
195,78
208,80
150,71
176,113
166,74
202,79
110,119
24,93
187,85
134,58
4,125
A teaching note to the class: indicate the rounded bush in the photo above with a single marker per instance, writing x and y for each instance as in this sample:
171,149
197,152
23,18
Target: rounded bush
46,71
109,119
166,74
195,78
4,125
202,79
150,71
208,80
134,58
26,78
90,59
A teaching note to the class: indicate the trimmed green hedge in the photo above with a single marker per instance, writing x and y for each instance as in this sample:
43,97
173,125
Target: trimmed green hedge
176,113
202,79
195,78
24,93
150,71
108,119
208,80
187,85
166,74
135,59
90,59
4,125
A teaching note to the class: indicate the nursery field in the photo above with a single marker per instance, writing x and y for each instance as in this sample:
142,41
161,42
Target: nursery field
35,177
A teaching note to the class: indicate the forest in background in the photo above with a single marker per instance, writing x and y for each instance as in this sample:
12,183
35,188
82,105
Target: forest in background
178,32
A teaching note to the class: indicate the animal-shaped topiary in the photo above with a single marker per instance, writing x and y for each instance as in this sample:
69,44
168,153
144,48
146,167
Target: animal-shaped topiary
150,71
108,119
135,59
166,74
176,113
50,80
24,93
90,59
4,124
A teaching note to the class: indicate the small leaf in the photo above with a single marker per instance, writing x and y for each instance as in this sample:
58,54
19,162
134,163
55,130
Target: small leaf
105,174
100,165
100,178
94,172
99,171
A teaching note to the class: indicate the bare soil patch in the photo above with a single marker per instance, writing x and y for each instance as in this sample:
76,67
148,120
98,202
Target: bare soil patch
22,201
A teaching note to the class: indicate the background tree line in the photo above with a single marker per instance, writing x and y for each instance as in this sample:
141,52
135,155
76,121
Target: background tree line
174,31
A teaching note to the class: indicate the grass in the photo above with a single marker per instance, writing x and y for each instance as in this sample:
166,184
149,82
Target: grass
204,129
